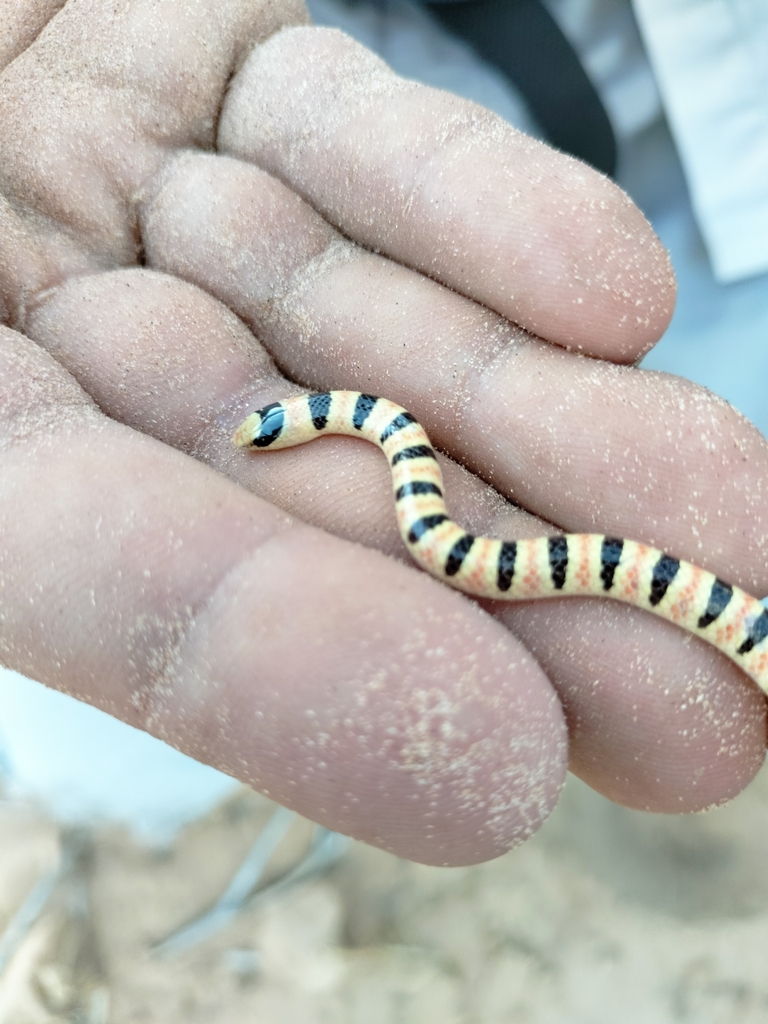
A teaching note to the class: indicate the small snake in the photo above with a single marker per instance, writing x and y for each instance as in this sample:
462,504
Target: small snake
564,565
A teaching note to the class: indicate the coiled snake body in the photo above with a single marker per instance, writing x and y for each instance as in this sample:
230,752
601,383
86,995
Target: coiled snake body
578,565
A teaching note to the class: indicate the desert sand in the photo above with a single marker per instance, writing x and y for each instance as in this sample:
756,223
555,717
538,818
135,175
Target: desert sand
606,915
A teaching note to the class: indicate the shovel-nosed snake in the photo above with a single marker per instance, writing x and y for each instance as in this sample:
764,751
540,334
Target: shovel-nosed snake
563,565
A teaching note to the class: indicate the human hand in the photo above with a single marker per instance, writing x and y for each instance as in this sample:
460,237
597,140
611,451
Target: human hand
147,565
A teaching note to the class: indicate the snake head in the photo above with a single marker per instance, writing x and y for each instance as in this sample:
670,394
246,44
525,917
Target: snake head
261,428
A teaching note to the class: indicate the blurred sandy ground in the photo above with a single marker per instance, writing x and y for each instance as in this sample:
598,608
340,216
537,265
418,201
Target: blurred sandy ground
606,915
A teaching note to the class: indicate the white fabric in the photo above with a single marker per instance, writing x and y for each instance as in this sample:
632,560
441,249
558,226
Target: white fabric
711,63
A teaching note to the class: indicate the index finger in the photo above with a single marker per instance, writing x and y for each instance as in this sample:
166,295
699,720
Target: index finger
450,189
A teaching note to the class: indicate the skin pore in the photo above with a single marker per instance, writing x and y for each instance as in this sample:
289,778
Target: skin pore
206,208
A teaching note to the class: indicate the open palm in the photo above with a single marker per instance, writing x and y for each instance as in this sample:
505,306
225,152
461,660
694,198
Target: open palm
204,206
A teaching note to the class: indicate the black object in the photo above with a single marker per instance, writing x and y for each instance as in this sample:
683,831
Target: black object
524,41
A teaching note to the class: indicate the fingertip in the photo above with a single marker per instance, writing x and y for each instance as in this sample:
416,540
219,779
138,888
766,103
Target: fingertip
658,721
368,698
613,288
461,195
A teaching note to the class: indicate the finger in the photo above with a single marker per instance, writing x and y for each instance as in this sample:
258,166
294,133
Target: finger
92,108
22,22
165,358
658,722
344,685
448,188
587,445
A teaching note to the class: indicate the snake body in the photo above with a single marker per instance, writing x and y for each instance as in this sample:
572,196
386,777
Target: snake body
563,565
